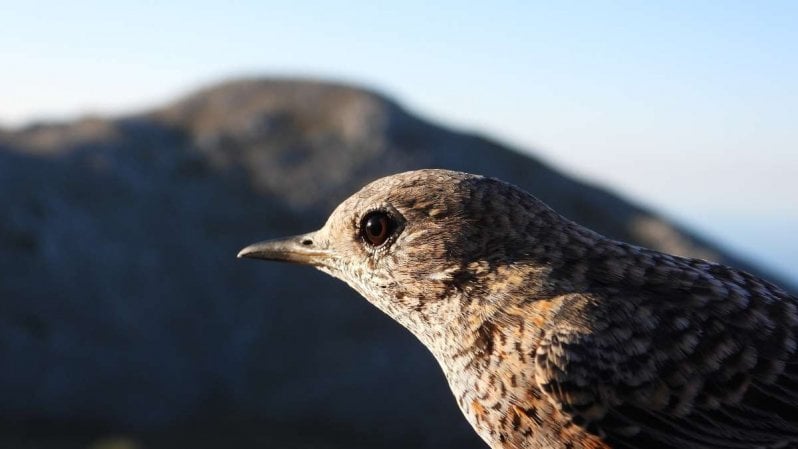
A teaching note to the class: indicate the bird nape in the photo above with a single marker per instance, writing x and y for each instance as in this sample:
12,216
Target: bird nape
553,336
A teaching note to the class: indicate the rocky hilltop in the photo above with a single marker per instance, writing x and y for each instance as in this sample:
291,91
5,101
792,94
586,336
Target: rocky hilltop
124,309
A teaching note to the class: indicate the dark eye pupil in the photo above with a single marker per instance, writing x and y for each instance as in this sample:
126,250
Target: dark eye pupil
376,228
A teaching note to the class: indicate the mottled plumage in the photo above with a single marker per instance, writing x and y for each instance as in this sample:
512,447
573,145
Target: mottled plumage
553,336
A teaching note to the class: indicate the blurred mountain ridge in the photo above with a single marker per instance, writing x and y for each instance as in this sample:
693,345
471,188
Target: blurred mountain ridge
123,305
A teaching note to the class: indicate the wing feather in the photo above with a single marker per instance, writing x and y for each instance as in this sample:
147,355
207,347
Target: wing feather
711,364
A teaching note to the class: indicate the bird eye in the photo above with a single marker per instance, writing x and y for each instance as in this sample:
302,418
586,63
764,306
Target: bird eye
376,227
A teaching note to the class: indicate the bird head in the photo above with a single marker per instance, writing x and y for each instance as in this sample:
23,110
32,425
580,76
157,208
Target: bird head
419,244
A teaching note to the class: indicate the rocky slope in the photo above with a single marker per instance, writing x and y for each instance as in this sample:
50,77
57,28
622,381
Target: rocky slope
123,308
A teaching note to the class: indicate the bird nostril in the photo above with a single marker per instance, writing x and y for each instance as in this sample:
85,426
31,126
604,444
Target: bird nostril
307,242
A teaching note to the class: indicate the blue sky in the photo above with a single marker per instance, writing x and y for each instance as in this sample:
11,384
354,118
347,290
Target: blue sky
686,106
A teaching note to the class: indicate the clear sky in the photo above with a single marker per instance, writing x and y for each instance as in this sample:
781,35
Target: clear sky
689,107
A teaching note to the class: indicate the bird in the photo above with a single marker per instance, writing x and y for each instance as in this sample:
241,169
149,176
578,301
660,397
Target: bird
551,335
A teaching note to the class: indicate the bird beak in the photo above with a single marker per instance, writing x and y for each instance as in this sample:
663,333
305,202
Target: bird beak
301,249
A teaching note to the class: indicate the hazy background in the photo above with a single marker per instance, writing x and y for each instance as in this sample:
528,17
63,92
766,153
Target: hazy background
689,107
142,144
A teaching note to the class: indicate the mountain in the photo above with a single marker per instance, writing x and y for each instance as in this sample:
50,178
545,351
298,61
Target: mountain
125,311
